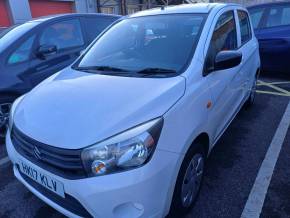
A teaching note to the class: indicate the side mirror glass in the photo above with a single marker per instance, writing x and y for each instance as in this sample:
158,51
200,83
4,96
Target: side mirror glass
227,59
46,50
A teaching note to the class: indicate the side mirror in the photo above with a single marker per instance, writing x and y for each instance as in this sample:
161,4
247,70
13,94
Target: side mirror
46,50
227,59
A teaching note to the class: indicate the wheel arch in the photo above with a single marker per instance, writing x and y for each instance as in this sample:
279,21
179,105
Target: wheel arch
201,139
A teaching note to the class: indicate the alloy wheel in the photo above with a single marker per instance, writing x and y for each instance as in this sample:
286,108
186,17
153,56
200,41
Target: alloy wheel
253,91
192,180
4,116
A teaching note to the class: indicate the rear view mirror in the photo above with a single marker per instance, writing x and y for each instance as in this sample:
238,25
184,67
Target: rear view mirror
45,51
227,59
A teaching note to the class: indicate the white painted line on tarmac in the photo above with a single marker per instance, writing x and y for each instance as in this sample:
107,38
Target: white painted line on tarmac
4,161
254,205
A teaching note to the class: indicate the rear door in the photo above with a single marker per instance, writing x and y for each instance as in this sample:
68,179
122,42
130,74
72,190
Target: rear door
274,38
67,36
249,49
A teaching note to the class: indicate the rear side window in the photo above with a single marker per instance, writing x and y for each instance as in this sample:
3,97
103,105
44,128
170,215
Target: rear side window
64,34
278,16
256,16
95,26
224,37
245,26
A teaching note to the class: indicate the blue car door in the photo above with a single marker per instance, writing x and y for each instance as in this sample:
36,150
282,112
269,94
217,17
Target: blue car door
274,38
67,38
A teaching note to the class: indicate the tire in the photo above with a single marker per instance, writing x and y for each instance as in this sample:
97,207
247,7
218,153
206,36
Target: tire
183,200
251,100
5,105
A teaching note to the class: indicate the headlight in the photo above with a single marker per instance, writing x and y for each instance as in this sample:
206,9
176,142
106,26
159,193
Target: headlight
130,149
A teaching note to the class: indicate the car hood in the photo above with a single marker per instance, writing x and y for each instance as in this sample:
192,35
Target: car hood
76,109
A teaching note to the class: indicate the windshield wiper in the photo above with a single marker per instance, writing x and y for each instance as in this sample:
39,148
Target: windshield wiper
100,68
153,71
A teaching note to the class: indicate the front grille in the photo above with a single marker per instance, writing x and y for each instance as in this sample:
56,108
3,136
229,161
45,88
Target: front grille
69,203
66,163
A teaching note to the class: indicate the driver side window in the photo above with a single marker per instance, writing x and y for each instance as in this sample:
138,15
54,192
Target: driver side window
224,38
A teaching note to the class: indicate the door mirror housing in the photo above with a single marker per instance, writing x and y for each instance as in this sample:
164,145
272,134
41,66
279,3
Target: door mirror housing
227,59
46,50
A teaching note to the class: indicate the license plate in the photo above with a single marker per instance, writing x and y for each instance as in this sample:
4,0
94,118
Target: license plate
44,180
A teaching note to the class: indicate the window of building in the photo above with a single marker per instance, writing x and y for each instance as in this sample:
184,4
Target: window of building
224,38
64,34
22,53
244,26
132,9
108,10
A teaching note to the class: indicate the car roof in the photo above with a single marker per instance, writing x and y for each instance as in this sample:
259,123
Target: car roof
183,8
59,16
268,4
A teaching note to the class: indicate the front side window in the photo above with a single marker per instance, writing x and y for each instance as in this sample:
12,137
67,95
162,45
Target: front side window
224,38
95,26
278,16
256,16
245,26
64,34
22,53
135,44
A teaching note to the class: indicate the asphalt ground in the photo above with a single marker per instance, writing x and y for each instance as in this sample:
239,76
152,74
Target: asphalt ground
231,169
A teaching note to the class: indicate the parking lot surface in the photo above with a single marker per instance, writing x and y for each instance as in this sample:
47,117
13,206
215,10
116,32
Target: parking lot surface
231,170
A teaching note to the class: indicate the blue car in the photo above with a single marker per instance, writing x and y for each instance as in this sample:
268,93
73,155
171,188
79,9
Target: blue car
33,51
272,28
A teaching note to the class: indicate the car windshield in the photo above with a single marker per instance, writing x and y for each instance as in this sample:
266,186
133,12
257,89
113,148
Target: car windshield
11,34
160,44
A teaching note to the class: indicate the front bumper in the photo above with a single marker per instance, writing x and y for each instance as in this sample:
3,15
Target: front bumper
142,192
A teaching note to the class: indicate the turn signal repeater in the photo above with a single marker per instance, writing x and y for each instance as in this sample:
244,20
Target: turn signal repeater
209,104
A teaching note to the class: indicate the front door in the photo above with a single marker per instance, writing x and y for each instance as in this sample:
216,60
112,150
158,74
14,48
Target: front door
224,84
67,37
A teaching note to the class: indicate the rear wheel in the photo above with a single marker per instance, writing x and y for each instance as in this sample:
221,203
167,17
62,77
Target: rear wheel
252,96
188,182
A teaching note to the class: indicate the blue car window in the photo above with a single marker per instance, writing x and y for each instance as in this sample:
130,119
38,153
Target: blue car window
285,20
278,16
245,27
96,25
22,53
256,16
64,34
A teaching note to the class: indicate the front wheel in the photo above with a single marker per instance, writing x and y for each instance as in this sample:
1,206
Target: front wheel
4,116
188,182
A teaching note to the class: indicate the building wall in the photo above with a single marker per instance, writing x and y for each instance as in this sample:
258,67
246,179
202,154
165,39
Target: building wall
19,10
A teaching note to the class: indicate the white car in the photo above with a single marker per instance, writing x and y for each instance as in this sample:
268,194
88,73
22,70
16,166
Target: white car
125,131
